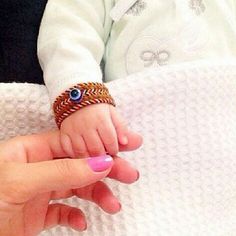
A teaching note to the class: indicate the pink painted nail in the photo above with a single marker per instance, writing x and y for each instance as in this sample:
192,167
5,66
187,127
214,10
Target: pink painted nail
100,163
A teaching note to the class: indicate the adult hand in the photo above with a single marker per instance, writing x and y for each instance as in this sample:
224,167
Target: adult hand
33,172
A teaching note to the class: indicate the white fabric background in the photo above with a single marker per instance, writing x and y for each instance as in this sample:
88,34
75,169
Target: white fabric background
187,116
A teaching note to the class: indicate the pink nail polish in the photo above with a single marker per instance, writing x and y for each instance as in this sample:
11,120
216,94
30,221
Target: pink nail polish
100,163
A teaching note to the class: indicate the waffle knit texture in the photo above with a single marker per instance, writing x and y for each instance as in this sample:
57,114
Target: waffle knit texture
187,116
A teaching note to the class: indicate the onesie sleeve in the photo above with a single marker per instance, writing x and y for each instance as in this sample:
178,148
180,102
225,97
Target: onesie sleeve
71,43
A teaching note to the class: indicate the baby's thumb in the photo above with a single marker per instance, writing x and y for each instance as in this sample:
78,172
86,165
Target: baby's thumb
31,179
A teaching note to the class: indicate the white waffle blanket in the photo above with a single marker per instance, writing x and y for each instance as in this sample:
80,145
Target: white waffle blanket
187,116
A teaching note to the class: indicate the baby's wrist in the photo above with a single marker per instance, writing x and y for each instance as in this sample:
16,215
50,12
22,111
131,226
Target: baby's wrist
79,96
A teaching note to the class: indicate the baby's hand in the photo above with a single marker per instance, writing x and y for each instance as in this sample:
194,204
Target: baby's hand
92,131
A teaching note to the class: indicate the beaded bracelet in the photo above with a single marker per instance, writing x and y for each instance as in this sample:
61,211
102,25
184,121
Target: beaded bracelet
79,96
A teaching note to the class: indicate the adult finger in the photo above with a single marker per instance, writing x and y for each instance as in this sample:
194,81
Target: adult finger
20,182
32,148
123,171
100,194
60,214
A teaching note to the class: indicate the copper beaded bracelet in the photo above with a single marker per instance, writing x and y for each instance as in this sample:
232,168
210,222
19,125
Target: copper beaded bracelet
79,96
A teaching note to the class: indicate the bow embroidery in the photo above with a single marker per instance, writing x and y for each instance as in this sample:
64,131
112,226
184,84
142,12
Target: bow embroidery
149,57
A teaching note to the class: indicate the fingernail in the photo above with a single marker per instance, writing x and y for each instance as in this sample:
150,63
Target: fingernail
138,176
124,140
85,226
100,163
120,207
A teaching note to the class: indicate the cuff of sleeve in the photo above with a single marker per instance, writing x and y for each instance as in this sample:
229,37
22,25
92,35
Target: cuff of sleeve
60,84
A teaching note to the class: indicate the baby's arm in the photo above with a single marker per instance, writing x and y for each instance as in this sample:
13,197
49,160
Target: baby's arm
70,49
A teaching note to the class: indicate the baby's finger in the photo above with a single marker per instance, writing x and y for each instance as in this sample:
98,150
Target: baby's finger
108,136
79,146
120,126
66,144
134,142
94,144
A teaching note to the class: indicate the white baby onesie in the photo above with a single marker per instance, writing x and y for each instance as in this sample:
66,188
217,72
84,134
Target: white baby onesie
130,35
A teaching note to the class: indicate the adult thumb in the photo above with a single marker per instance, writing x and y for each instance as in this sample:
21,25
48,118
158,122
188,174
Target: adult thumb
22,181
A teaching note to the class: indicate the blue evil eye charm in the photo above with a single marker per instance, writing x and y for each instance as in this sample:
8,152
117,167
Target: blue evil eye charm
76,95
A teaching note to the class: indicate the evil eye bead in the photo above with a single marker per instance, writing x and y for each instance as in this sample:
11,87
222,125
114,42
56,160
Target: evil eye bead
75,95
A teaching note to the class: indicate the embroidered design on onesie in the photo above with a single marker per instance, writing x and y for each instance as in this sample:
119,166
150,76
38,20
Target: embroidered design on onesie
197,6
137,8
150,57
